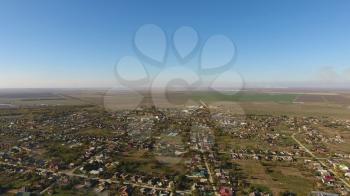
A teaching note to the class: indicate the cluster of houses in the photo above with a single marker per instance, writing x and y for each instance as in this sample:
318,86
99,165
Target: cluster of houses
96,164
266,155
327,176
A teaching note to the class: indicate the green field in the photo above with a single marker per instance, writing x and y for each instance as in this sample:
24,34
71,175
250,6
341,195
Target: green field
41,101
245,96
242,102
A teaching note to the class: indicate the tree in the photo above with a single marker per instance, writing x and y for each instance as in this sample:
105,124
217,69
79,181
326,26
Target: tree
181,182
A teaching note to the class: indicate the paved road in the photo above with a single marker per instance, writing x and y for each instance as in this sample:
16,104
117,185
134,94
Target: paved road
211,180
321,162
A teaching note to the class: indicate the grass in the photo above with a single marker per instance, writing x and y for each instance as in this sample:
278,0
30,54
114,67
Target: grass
297,184
146,162
60,192
64,153
289,109
245,97
250,102
32,101
16,181
165,138
277,177
96,132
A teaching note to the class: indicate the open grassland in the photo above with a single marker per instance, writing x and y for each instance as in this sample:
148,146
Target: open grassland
245,96
63,153
341,99
278,177
147,163
293,109
36,99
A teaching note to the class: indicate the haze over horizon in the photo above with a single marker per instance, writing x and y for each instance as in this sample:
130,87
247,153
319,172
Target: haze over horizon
65,44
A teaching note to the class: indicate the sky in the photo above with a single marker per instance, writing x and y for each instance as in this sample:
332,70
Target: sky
78,43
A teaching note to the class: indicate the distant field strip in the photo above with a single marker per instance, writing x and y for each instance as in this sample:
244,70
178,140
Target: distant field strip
32,99
309,98
337,99
245,96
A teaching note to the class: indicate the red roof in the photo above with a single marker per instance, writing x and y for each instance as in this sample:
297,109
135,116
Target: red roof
328,178
225,191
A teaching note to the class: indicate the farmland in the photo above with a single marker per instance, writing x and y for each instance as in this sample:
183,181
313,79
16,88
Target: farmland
266,101
35,98
245,97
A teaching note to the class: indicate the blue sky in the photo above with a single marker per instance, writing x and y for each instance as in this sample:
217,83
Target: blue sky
76,43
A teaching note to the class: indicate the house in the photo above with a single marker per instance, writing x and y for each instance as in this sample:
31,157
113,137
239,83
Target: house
329,180
225,191
319,193
126,190
347,174
94,172
343,167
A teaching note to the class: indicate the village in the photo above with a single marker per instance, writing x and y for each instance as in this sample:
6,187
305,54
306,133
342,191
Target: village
189,151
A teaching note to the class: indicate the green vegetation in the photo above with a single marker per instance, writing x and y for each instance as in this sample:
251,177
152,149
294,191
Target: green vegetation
299,184
278,177
244,97
64,153
147,163
96,132
18,180
260,188
61,192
